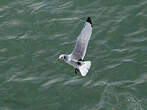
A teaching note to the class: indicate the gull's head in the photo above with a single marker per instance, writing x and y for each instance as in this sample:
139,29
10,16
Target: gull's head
62,57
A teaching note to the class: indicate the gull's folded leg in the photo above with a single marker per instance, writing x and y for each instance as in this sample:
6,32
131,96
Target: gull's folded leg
76,71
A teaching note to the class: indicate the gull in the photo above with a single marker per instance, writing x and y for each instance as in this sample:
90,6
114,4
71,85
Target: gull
76,58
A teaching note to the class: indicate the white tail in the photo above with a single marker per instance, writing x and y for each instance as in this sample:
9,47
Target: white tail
85,67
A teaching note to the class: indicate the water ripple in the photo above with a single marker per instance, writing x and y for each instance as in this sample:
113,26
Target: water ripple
52,82
63,19
65,5
37,6
74,80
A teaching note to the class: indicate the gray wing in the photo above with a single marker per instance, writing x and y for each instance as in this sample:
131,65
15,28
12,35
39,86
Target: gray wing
82,41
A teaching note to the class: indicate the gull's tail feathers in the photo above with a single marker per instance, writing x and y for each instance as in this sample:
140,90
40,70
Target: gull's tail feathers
85,67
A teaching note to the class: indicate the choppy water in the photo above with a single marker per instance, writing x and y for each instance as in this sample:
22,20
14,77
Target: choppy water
34,32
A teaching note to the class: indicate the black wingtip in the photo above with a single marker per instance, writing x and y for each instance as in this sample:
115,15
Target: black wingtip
89,21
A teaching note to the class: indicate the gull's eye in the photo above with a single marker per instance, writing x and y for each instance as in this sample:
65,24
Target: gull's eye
62,57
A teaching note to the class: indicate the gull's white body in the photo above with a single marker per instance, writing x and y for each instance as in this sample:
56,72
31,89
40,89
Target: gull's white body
72,62
78,54
83,68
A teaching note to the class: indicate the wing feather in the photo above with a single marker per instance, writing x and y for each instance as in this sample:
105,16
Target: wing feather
82,41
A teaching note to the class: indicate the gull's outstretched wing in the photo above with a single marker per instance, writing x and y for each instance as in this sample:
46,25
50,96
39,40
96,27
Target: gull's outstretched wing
82,41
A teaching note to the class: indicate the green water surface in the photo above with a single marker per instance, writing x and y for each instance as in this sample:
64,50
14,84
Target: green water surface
33,33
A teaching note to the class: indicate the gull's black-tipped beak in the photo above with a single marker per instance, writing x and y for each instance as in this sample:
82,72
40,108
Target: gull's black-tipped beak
57,59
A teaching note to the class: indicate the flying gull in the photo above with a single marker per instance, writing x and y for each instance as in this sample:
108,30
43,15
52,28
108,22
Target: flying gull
76,58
